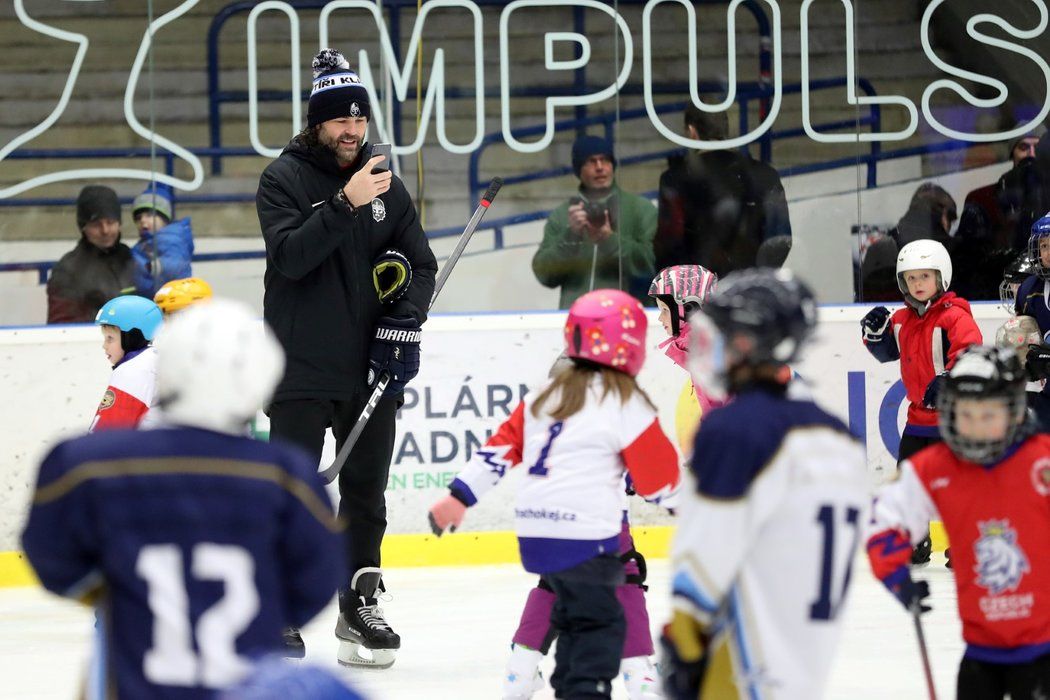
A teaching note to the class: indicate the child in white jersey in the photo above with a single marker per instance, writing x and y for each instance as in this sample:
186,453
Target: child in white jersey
129,324
579,433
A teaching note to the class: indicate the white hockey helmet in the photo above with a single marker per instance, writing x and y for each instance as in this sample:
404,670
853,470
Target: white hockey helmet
924,254
217,365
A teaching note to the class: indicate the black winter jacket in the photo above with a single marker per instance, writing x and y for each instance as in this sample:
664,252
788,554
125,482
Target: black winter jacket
320,299
85,279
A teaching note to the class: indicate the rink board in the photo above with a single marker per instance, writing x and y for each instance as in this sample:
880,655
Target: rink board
474,370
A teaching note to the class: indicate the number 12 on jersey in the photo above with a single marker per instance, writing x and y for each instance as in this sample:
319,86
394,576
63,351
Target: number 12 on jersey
824,608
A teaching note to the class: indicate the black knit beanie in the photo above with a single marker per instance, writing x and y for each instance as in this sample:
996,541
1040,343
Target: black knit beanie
587,146
337,91
97,202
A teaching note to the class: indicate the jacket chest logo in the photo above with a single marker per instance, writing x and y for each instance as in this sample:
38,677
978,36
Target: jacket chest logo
1041,476
378,209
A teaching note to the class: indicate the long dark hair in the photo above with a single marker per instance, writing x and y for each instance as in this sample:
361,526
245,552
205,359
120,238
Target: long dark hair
310,137
571,385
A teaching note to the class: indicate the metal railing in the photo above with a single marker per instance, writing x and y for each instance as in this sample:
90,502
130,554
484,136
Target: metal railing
394,8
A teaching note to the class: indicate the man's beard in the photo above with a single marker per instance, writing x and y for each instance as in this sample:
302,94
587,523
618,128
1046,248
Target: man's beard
341,151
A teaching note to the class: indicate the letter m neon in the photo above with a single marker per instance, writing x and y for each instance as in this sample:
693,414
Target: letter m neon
400,75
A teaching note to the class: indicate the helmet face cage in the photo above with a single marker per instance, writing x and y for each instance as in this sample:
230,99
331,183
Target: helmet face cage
983,374
1038,268
1008,295
764,316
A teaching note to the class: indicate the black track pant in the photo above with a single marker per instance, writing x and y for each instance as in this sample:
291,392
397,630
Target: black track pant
910,444
980,680
589,622
362,481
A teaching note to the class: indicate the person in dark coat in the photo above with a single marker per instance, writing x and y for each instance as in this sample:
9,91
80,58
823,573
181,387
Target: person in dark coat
98,269
716,208
327,216
997,218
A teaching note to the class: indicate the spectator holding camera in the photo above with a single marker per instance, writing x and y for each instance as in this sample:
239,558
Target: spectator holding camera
601,238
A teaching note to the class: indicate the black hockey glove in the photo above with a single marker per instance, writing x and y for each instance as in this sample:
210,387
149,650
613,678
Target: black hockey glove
395,349
1037,366
391,275
684,659
911,593
933,389
875,323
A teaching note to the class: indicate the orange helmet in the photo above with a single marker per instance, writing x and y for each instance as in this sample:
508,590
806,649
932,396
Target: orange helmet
178,294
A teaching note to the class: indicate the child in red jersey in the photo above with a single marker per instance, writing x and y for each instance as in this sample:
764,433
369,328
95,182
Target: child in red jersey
129,324
989,482
926,336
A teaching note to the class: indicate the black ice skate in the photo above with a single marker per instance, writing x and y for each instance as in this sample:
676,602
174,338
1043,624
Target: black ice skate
294,646
365,638
921,554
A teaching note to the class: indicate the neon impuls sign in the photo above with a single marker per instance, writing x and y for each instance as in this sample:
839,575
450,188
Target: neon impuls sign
433,105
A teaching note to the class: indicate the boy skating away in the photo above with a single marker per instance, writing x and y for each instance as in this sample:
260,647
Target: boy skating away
989,483
129,324
578,435
926,336
196,544
768,528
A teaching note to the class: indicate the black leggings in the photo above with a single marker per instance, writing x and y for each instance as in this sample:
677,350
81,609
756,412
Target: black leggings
980,680
910,444
362,481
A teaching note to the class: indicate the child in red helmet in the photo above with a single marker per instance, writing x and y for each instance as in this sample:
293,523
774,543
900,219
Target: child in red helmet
578,434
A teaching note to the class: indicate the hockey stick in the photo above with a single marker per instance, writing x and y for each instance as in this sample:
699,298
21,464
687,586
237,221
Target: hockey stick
383,380
916,611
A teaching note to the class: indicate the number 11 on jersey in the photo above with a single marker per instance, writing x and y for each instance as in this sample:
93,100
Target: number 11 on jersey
824,608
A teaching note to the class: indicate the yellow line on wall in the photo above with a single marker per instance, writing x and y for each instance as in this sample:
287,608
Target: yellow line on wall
462,549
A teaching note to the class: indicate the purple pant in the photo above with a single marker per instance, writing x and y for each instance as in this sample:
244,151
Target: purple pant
535,625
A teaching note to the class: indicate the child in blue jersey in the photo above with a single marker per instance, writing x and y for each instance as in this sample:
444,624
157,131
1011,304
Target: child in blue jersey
579,433
768,527
197,544
1033,299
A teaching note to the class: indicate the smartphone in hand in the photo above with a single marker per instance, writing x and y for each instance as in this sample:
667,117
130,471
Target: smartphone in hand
384,150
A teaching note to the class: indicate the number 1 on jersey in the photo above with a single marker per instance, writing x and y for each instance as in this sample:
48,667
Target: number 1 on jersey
823,608
540,467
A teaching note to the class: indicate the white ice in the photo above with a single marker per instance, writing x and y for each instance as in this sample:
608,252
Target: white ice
456,624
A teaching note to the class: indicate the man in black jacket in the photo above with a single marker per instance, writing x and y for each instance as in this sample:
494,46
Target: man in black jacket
98,269
326,217
717,208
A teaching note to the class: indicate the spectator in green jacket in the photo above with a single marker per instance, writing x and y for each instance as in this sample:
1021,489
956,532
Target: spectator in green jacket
601,238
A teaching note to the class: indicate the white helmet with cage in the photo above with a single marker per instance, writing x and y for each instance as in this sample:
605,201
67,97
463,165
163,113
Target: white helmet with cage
217,365
924,254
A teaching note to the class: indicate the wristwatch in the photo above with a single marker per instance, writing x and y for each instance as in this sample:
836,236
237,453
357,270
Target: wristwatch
340,196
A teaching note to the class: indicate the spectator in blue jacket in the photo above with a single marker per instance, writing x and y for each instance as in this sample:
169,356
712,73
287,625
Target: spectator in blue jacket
165,248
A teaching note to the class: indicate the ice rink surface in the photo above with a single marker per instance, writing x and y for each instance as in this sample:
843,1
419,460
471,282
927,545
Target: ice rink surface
456,624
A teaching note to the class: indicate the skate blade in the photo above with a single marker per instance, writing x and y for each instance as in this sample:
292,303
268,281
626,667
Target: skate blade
358,656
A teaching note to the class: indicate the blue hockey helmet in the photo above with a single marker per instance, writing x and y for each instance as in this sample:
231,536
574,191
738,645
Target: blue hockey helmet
1040,232
130,313
756,316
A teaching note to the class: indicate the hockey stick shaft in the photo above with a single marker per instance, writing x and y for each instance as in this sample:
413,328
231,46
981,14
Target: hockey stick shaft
330,473
916,611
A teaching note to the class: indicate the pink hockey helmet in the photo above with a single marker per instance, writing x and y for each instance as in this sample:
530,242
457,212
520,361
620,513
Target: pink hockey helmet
607,327
683,288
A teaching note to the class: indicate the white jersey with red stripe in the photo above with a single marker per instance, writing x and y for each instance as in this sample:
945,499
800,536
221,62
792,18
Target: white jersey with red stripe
131,392
570,506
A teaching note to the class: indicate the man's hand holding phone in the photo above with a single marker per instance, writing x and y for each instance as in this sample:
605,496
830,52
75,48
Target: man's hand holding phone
371,180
